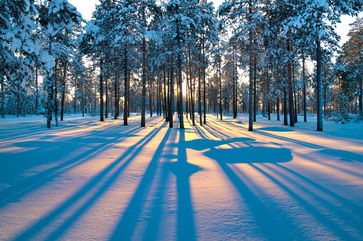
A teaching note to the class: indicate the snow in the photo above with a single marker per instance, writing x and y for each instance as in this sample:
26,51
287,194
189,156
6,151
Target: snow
87,180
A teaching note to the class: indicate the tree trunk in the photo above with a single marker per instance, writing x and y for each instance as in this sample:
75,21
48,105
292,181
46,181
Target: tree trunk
200,96
250,92
150,98
36,90
17,98
126,90
2,98
220,88
116,95
171,95
144,69
278,108
106,97
361,96
294,94
304,88
63,89
285,107
319,97
289,86
192,88
50,87
204,89
254,88
83,98
101,90
56,99
165,96
234,86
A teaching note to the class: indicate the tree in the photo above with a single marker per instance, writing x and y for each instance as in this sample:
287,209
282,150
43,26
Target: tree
56,17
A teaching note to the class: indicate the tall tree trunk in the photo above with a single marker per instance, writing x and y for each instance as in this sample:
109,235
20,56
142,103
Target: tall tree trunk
56,98
165,96
289,86
361,96
278,108
234,87
180,82
158,96
2,97
304,88
192,87
126,89
151,97
144,69
319,96
83,98
254,88
187,104
296,110
116,95
250,93
220,88
268,96
204,80
101,90
64,79
75,99
171,95
36,89
107,98
285,108
17,98
200,96
50,87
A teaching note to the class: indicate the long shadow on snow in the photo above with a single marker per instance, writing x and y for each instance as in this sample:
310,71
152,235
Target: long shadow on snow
100,179
125,228
334,223
349,217
38,129
152,230
342,154
269,225
183,171
20,186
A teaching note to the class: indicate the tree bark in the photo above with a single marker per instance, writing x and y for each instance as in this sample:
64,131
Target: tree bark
126,89
285,107
220,88
2,98
289,86
63,89
254,88
204,82
107,98
144,69
278,108
250,93
36,89
319,96
304,88
171,95
101,90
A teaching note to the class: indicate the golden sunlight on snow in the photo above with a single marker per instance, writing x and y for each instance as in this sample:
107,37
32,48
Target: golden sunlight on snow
94,181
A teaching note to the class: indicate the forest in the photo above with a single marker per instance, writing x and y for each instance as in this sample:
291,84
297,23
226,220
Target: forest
162,57
181,120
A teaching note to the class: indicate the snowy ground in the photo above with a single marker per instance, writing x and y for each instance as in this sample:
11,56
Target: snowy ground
87,180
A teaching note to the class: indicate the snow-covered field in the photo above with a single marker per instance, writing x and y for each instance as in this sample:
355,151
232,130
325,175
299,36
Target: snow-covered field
87,180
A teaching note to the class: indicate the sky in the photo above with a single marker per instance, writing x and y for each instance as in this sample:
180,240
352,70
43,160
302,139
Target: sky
86,7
